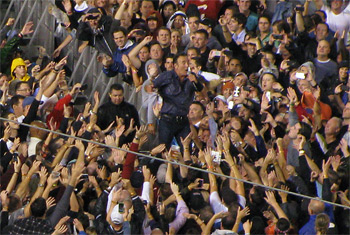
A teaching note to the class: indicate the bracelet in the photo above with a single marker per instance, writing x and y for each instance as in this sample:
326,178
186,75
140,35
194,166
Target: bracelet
136,138
41,185
114,202
301,152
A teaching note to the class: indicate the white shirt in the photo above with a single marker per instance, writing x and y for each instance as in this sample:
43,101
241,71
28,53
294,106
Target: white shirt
338,22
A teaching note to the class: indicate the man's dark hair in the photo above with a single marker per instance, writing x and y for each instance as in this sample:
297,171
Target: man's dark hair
240,18
15,100
38,207
265,16
282,25
325,25
228,221
177,56
203,32
116,86
164,28
197,61
151,44
228,196
323,12
196,49
200,105
18,84
305,130
121,29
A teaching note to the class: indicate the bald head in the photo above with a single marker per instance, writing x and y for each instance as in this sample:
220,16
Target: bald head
316,207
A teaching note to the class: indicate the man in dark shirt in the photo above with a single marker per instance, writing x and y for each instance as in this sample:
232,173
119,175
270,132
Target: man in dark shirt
177,90
116,106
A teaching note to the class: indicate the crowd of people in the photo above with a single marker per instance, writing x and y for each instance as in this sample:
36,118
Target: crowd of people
233,98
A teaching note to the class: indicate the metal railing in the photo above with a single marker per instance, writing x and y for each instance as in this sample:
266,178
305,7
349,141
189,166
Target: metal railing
83,66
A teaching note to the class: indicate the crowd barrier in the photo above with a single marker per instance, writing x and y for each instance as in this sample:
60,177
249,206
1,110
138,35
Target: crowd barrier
180,164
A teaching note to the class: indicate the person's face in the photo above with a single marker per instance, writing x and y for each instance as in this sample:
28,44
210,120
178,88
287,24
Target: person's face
227,92
146,8
151,68
264,25
181,66
152,24
204,123
125,21
163,37
168,10
321,32
178,22
193,66
18,109
244,113
193,23
3,79
228,14
294,131
234,66
169,64
275,30
343,73
270,58
200,41
244,5
235,124
240,80
156,52
24,90
336,4
175,38
191,53
251,47
331,126
20,71
101,3
93,22
304,85
323,48
267,82
233,25
346,111
13,126
195,112
116,96
144,54
119,39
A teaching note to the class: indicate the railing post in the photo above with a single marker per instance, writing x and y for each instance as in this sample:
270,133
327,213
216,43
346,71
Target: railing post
7,13
38,25
19,16
92,61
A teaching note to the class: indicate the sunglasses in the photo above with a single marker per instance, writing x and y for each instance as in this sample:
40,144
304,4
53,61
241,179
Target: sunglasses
91,17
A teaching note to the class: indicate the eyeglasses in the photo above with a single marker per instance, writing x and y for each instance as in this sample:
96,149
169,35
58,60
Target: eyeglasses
27,89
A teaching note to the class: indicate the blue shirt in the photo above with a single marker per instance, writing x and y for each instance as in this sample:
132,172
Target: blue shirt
118,65
177,96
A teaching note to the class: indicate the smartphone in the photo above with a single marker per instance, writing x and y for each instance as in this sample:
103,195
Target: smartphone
216,102
345,88
236,91
15,157
268,95
84,176
216,156
217,53
231,104
160,199
263,117
277,36
121,207
299,8
200,183
300,76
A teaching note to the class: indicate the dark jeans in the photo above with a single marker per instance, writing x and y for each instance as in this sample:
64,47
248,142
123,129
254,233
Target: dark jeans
173,126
